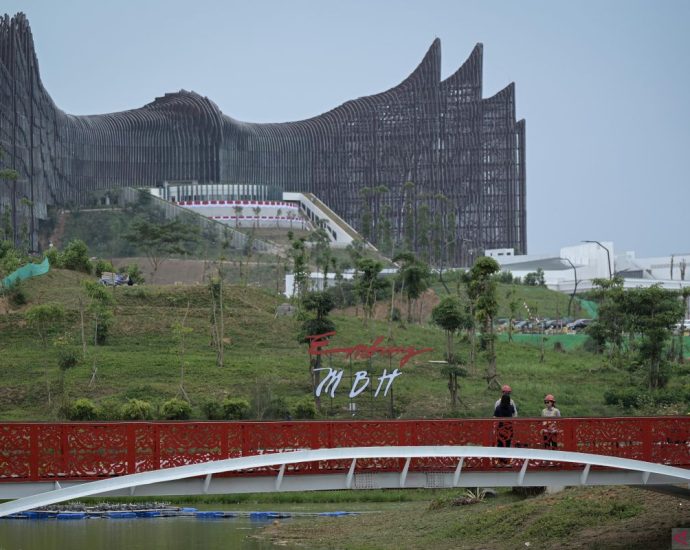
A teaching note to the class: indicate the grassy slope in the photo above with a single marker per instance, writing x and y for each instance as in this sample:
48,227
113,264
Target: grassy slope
605,518
141,360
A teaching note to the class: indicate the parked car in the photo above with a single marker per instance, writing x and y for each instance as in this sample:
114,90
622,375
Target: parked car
684,326
114,279
579,324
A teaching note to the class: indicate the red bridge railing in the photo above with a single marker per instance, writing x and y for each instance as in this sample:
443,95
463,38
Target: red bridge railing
88,451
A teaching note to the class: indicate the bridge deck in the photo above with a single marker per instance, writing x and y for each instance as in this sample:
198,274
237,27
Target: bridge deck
40,452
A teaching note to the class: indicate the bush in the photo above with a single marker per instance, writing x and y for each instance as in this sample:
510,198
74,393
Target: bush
135,274
102,328
505,277
103,265
67,358
278,409
10,259
628,398
16,295
213,410
82,409
235,408
176,409
304,409
136,409
76,257
54,258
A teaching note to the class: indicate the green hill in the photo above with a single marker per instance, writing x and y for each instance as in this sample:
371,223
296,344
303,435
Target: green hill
264,363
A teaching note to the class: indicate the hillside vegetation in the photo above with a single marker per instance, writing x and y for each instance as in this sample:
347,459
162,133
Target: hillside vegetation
266,366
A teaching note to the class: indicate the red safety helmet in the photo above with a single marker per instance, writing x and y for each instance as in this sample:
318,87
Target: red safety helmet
550,397
506,389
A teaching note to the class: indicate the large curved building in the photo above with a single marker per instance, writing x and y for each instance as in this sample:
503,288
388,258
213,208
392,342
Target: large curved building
428,164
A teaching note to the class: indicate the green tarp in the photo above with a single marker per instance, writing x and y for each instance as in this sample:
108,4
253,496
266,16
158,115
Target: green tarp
26,272
592,308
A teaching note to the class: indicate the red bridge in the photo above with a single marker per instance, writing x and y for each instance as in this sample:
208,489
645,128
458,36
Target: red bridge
41,463
40,452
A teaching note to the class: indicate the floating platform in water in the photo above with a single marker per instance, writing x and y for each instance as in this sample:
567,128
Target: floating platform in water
168,513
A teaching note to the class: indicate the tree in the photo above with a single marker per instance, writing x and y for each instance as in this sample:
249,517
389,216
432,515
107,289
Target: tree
217,317
535,278
369,285
10,176
238,212
607,330
652,312
481,289
75,256
451,317
162,240
300,268
513,306
180,332
319,304
647,315
99,306
685,297
321,253
414,277
257,215
45,319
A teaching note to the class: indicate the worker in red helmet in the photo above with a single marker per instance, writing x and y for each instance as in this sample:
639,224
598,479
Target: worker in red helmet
550,409
550,429
507,390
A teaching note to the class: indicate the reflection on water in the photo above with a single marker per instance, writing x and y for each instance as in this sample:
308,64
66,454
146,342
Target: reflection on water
145,534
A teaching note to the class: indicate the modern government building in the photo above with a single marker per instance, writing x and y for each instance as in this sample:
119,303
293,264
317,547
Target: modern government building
429,164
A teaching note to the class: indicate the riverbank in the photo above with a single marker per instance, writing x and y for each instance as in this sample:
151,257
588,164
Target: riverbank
603,517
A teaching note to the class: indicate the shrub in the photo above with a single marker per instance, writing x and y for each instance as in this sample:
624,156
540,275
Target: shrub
305,409
103,265
76,257
135,274
82,409
628,398
54,258
176,409
67,358
16,295
102,327
213,410
136,409
278,409
235,408
10,260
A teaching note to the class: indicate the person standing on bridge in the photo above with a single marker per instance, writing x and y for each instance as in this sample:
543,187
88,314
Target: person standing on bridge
507,390
504,430
550,429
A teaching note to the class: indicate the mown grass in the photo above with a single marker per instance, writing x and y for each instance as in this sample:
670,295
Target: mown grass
264,359
576,518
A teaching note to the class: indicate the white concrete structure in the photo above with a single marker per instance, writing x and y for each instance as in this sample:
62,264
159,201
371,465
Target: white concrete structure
316,281
339,231
591,260
199,478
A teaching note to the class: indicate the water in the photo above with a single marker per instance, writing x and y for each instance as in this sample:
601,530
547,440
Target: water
131,534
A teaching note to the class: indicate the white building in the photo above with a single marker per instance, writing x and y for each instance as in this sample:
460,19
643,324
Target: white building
597,260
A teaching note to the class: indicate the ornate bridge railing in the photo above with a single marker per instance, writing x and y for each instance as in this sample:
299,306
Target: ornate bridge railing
90,451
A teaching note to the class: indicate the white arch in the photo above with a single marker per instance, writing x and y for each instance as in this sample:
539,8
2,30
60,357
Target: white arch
669,474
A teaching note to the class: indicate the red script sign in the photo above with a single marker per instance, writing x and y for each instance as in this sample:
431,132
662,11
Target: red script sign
319,342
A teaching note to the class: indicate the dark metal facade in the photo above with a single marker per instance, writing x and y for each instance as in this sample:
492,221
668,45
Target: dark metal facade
428,164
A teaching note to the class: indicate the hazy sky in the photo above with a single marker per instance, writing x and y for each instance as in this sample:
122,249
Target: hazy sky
602,84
